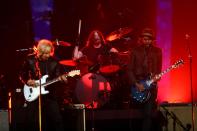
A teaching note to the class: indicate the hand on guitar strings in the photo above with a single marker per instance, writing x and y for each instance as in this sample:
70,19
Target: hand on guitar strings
32,83
140,87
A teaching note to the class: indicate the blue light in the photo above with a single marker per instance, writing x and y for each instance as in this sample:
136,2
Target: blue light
41,18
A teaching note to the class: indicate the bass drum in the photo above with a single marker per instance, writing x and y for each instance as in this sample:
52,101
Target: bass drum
93,90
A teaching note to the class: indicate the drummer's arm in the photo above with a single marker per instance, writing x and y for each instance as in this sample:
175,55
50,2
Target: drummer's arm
77,54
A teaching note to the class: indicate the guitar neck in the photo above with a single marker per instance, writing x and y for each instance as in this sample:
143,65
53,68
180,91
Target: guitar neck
70,74
50,82
158,76
165,71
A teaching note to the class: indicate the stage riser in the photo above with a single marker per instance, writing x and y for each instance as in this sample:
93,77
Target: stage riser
110,119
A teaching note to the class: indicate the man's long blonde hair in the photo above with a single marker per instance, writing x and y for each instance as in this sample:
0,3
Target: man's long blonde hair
45,45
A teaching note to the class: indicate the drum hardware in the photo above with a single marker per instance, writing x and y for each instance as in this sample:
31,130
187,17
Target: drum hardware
124,59
92,87
84,61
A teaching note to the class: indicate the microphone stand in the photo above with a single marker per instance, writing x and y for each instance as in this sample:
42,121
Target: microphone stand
39,98
190,69
175,121
92,112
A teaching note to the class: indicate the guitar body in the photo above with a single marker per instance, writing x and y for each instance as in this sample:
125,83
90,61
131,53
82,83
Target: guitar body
145,95
32,93
142,96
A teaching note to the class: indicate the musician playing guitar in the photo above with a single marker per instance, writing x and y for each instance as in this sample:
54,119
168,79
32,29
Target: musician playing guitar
146,61
42,63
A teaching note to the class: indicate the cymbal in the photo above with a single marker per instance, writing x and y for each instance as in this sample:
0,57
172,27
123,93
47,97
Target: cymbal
75,63
68,62
119,33
62,43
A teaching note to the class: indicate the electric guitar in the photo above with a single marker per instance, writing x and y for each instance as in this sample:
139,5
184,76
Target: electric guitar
31,93
143,96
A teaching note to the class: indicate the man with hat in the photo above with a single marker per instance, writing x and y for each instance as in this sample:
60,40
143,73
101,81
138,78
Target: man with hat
146,61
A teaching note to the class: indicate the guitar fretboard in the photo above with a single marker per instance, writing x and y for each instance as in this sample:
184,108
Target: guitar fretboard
50,82
166,71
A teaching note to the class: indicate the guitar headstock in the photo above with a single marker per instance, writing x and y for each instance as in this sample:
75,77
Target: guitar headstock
73,73
178,63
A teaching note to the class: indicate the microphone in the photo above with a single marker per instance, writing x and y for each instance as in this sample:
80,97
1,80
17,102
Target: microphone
25,49
57,42
187,38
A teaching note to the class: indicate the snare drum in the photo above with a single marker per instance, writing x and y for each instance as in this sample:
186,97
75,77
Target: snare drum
93,89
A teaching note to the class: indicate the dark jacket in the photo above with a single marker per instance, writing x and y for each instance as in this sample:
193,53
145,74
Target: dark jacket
144,61
51,67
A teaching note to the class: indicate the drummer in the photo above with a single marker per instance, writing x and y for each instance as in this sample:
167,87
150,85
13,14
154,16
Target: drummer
94,52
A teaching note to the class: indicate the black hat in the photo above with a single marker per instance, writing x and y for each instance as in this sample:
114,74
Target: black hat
147,32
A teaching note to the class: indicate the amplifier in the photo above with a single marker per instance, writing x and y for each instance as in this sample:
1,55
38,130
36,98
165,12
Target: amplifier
75,117
4,125
81,107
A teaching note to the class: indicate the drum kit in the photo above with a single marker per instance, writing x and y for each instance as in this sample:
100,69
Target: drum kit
97,87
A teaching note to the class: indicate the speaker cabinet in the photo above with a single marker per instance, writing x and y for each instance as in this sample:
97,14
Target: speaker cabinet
74,118
178,116
4,126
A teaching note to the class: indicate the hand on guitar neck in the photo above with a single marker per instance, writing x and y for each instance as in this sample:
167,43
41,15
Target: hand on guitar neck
156,78
141,90
33,83
63,78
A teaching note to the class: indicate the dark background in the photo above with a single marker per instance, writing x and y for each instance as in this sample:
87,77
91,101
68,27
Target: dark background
16,30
